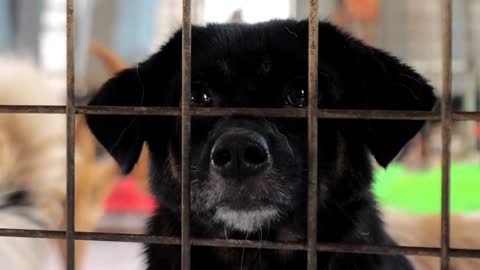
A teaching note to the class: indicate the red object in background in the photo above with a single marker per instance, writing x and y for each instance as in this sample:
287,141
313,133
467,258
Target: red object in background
126,196
477,130
363,10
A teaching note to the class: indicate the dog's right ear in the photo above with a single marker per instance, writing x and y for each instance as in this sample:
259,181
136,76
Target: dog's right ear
121,135
143,85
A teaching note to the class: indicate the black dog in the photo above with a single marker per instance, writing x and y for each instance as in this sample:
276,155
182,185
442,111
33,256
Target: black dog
249,175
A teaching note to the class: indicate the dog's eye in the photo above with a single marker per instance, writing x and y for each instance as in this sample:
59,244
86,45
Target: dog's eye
296,96
201,99
201,95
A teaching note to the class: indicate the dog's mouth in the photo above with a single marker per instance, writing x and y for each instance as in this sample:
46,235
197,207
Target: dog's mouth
247,220
246,204
247,214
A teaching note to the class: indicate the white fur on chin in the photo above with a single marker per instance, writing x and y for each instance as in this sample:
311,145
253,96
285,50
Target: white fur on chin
246,220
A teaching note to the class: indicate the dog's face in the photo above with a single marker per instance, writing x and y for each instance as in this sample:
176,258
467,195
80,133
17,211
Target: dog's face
251,173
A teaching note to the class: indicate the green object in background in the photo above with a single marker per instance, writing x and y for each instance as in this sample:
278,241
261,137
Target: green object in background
420,191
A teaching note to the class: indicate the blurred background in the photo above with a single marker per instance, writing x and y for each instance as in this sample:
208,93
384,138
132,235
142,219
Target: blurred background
113,34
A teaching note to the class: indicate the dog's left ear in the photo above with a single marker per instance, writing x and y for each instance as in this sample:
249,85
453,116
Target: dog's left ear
375,80
121,135
391,85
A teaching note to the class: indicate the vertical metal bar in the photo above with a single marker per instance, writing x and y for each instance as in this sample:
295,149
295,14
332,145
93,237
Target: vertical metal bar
446,129
186,118
70,232
312,133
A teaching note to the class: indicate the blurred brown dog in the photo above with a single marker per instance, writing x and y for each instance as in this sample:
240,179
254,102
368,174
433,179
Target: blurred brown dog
33,168
32,164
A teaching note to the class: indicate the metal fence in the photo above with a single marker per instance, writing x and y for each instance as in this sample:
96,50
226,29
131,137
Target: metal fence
446,116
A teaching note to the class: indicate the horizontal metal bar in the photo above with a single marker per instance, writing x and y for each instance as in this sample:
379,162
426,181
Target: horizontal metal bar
90,236
128,238
254,112
204,112
43,234
258,112
464,253
466,116
378,114
266,112
233,243
128,110
383,250
33,109
279,113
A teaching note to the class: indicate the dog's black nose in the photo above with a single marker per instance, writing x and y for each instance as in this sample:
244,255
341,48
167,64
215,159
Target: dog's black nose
240,153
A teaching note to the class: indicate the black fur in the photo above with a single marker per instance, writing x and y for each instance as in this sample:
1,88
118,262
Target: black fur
256,66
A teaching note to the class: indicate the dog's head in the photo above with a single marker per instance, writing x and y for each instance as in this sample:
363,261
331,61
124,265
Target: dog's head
248,173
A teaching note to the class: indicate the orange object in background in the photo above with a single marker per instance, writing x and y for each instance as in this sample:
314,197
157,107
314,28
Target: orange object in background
340,18
362,10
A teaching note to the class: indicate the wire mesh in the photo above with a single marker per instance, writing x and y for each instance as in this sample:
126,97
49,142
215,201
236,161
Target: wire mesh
312,113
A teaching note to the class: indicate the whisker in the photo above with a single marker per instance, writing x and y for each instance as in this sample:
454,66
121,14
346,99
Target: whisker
241,259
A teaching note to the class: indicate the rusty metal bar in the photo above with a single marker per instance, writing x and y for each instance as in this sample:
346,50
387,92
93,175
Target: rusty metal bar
466,116
226,112
378,114
42,234
255,112
126,110
129,238
266,112
312,135
70,110
234,243
323,247
33,109
446,113
186,126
